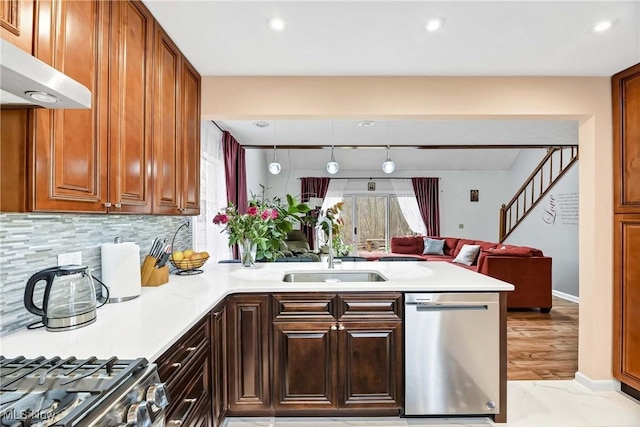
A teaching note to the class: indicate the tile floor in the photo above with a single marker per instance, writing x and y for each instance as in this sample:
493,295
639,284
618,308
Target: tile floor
530,404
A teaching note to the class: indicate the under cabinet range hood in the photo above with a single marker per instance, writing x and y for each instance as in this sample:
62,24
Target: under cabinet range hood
25,82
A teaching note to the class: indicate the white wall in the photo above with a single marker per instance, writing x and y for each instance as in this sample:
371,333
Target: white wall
256,171
552,226
480,219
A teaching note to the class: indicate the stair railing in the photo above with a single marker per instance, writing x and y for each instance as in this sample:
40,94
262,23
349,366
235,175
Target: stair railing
550,169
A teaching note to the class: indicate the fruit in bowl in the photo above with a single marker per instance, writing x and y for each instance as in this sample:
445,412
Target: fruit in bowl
188,259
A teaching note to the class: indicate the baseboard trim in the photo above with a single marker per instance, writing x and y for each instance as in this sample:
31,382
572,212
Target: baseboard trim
568,297
597,385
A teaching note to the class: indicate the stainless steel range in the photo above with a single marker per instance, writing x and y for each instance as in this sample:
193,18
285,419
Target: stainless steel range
69,392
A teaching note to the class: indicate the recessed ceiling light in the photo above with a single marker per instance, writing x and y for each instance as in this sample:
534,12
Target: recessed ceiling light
366,123
275,23
603,26
434,24
261,124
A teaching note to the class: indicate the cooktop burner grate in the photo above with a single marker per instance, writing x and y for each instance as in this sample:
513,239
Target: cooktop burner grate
41,391
90,375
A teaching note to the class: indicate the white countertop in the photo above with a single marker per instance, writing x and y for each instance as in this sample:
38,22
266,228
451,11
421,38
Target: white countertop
148,325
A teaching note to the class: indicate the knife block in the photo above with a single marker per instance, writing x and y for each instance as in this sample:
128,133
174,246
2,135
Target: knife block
152,276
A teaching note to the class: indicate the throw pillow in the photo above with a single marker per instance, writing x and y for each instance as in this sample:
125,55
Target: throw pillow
467,254
433,247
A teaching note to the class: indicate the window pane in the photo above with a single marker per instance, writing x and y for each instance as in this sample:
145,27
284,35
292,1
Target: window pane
397,224
372,213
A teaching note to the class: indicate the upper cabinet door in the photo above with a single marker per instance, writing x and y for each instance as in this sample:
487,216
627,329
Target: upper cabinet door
190,121
130,120
626,133
167,153
70,146
16,23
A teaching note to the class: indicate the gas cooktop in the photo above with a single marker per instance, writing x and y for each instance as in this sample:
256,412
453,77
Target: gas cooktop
77,392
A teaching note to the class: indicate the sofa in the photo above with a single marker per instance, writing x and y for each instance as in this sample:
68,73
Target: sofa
527,269
296,247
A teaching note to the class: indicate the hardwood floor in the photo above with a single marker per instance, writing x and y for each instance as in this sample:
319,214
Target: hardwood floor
543,346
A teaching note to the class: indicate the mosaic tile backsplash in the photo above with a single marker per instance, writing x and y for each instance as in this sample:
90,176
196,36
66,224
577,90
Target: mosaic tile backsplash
32,242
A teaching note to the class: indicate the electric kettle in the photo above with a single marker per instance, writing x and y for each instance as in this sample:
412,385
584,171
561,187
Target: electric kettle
69,300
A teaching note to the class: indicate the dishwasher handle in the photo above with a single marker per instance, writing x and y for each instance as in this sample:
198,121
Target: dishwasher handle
439,306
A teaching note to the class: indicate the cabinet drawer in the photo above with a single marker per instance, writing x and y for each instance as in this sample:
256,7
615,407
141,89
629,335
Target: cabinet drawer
175,360
381,306
306,306
190,396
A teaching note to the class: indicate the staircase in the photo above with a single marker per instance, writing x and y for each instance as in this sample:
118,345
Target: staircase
550,169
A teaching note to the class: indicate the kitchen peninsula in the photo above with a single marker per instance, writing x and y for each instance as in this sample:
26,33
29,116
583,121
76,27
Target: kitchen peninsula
254,342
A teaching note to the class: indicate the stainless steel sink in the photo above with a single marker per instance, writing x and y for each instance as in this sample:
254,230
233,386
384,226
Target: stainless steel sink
334,276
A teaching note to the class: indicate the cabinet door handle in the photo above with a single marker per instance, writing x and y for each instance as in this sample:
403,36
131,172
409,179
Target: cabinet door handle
118,205
107,205
183,413
176,365
341,328
334,328
191,349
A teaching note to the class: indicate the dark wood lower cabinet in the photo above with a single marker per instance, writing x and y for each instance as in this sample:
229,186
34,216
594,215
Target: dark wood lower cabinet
337,357
289,355
220,363
370,365
305,365
248,341
191,398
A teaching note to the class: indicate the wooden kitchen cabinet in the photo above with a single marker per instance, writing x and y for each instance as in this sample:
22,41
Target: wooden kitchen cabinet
191,399
219,358
248,329
137,150
305,365
70,146
16,23
190,139
626,125
130,89
370,364
186,370
176,134
337,351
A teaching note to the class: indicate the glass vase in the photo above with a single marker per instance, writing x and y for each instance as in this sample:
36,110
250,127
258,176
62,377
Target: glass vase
248,250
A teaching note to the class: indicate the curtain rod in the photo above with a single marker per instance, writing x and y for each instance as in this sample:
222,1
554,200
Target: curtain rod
218,126
371,178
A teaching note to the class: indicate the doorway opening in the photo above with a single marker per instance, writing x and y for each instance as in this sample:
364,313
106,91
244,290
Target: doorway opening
371,220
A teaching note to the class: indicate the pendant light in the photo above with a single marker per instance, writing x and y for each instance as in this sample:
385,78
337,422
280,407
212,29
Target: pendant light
388,166
274,167
333,167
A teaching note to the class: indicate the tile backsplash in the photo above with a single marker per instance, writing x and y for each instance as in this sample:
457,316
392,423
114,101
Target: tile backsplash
32,242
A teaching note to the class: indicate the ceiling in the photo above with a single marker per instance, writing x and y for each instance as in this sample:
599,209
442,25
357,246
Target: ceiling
387,38
423,133
382,38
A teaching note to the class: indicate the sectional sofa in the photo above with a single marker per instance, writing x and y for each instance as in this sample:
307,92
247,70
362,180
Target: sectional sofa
524,267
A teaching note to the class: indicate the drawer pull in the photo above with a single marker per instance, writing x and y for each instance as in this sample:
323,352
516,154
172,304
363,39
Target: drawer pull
341,328
176,365
334,328
183,412
191,348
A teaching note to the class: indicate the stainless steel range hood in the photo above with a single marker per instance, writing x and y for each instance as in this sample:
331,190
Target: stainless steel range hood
25,82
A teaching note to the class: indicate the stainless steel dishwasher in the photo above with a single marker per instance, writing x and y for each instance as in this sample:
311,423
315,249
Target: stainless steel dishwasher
452,354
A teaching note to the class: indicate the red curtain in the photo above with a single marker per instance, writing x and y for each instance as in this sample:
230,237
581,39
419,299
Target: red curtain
236,174
427,195
312,187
